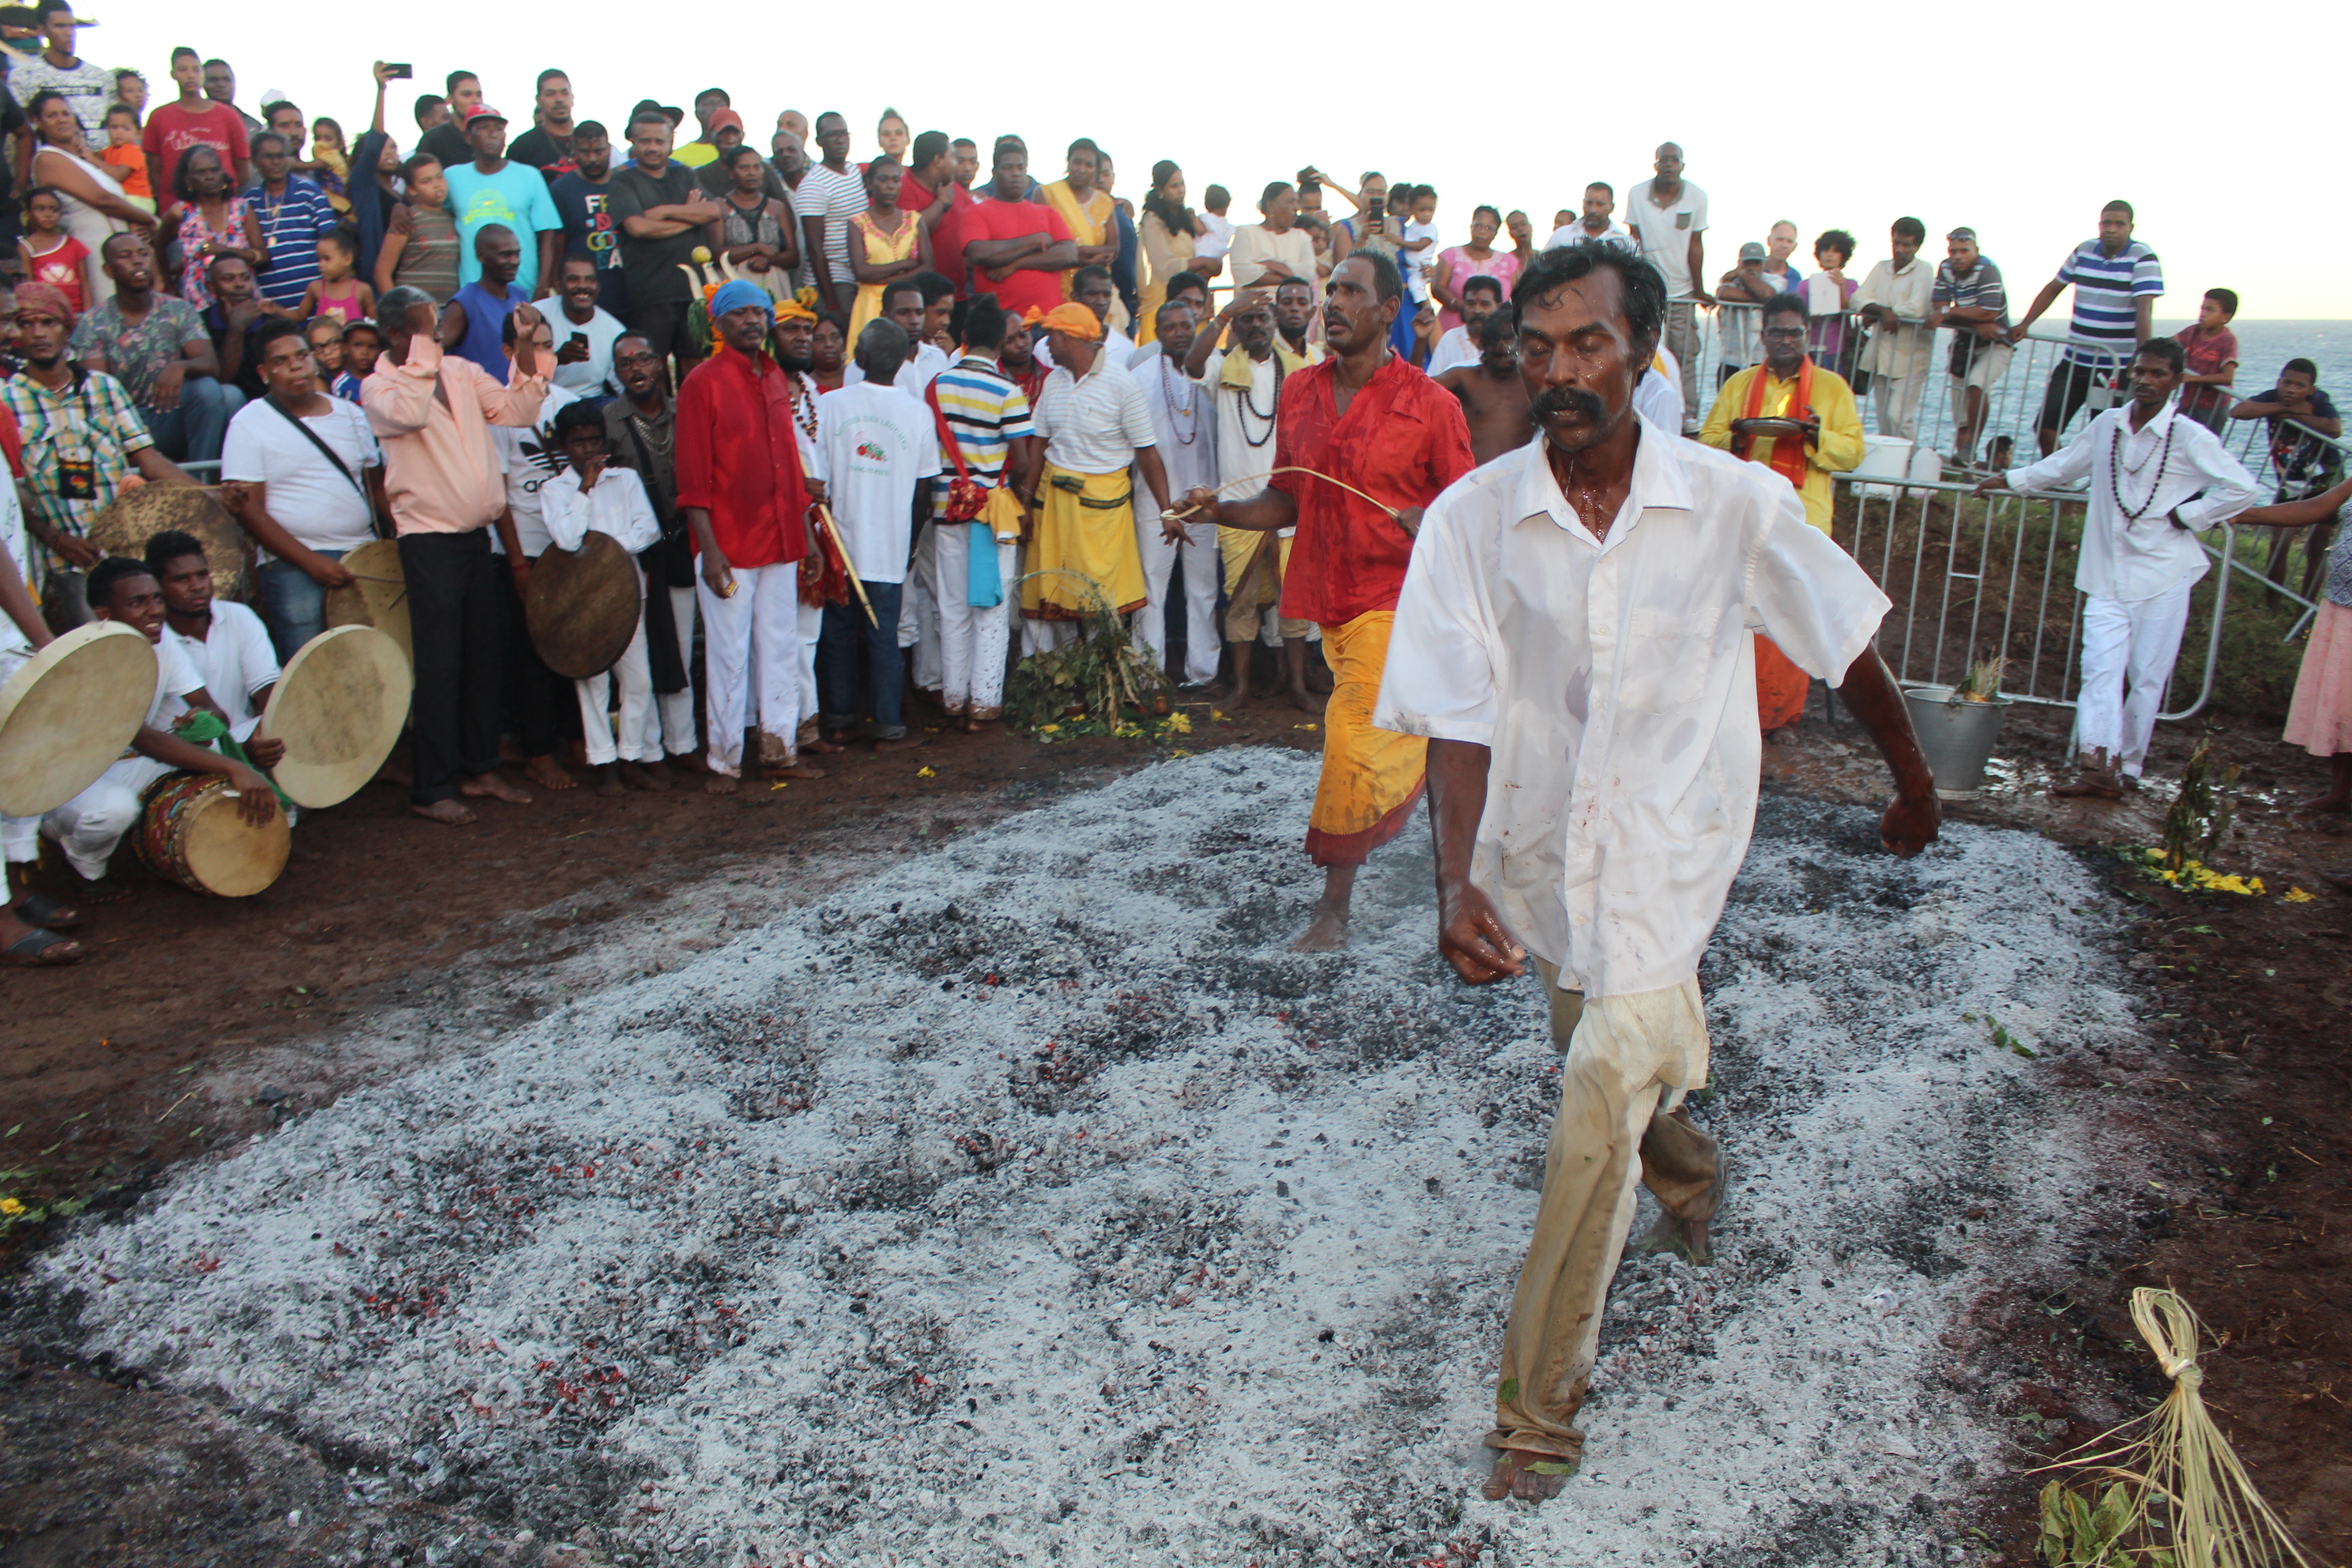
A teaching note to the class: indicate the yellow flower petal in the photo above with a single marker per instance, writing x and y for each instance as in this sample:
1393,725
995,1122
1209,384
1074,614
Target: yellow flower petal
2297,896
927,772
11,1206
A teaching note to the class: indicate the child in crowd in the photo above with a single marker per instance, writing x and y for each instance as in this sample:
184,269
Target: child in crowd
124,155
325,336
2213,350
1420,242
337,292
49,254
362,343
331,165
591,495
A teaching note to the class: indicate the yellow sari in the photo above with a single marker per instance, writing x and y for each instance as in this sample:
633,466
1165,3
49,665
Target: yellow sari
1088,224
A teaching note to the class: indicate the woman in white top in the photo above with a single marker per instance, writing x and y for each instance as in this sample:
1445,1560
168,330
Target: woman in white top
95,205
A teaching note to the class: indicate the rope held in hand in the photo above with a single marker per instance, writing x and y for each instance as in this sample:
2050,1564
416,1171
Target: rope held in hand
1394,515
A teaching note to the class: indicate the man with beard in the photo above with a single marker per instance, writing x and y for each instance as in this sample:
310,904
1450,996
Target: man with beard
1597,587
741,491
1294,317
1800,421
82,438
641,432
793,345
1245,385
588,228
1376,425
1481,297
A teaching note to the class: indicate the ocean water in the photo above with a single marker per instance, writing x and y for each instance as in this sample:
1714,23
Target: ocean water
2264,346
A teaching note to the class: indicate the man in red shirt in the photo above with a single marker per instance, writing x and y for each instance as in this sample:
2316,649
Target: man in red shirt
1015,248
742,494
1369,419
191,119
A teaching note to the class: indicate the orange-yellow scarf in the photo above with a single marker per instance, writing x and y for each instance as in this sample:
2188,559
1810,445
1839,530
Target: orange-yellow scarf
1787,459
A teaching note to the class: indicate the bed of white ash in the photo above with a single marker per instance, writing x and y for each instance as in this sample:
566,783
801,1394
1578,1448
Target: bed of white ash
1028,1201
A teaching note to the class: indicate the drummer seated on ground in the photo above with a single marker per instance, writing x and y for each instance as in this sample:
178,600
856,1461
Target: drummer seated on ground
89,826
223,641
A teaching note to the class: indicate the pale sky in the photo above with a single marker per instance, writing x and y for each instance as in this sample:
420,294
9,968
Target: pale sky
2020,119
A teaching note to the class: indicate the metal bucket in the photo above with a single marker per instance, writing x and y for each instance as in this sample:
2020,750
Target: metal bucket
1957,737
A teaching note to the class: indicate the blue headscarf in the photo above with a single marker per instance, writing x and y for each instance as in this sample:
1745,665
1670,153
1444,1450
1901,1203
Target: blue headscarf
735,295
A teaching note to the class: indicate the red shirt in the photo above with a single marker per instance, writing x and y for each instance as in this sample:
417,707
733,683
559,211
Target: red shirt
2207,353
994,219
1402,439
736,459
948,237
172,131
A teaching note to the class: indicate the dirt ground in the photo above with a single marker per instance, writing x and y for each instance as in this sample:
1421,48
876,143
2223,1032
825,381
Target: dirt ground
196,1024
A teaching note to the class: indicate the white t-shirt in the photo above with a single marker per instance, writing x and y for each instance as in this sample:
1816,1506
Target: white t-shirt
1577,234
1418,263
928,362
1456,347
528,457
1216,236
1665,232
235,661
877,444
309,496
175,678
594,378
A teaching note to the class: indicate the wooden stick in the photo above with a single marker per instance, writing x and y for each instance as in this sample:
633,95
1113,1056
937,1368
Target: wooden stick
856,587
1395,516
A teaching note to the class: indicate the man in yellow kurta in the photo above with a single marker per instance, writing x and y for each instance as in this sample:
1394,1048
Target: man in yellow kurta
1799,420
1096,425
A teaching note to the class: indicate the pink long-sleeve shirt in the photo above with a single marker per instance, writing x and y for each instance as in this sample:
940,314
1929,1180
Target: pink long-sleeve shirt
433,415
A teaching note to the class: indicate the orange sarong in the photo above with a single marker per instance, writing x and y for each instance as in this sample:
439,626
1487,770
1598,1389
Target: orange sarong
1371,778
1780,687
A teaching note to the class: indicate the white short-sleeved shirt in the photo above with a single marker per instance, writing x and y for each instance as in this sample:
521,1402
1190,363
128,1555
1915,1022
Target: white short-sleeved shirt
879,444
1095,423
176,680
1455,347
1615,680
1184,413
1665,232
1616,234
234,659
592,378
2171,464
528,457
309,497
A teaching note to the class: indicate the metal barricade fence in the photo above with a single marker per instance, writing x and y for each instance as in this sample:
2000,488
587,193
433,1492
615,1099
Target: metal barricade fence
1972,578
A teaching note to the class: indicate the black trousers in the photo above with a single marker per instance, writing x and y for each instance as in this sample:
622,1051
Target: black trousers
453,624
665,327
538,701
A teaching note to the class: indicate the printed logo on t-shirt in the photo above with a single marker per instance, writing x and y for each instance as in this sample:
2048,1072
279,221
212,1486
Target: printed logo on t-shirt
546,458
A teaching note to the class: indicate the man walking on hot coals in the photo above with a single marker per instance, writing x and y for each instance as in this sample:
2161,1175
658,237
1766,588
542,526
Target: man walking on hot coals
1573,640
1374,424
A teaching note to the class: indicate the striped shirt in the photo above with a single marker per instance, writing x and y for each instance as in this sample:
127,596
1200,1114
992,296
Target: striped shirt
986,412
835,198
291,227
1981,289
2106,291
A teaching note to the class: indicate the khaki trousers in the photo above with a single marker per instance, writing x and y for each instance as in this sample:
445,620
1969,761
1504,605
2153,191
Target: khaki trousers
1630,1061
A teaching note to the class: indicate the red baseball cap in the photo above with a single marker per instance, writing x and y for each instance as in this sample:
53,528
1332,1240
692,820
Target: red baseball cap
484,111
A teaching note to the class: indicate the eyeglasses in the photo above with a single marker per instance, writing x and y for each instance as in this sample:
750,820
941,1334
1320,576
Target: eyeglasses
1784,334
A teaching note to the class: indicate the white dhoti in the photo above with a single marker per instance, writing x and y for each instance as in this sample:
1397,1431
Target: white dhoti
1204,565
2128,652
972,638
89,826
639,737
755,636
677,707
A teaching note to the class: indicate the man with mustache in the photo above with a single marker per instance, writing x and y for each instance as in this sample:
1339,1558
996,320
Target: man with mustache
1800,421
1370,420
1572,640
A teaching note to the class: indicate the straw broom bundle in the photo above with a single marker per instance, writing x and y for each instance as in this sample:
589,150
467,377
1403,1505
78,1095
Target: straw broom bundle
2178,1497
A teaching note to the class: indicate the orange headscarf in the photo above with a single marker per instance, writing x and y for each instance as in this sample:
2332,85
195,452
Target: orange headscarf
1074,318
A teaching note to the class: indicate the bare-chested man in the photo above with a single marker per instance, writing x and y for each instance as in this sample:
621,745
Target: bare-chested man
1493,397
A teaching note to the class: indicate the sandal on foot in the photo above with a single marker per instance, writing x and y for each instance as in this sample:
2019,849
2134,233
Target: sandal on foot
40,950
40,909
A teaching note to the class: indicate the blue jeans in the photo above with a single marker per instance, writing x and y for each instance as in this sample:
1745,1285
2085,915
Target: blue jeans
292,604
193,432
836,663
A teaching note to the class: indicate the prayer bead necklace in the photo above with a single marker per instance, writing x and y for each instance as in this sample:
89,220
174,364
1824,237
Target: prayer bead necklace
2115,467
1249,401
1183,416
